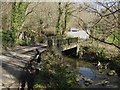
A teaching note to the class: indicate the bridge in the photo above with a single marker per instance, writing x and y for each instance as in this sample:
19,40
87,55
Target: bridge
63,43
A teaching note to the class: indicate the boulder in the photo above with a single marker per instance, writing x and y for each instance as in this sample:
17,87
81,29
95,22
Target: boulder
111,73
87,82
105,82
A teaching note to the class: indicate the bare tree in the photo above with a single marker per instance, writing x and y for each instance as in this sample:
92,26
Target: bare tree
106,25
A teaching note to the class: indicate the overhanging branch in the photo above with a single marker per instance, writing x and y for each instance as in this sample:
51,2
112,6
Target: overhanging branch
97,39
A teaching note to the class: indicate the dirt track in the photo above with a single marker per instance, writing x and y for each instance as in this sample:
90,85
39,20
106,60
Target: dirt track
12,64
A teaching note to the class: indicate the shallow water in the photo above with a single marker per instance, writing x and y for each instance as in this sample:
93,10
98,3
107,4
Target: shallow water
90,73
97,78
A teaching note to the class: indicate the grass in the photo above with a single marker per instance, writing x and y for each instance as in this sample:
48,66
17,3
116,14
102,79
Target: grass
111,39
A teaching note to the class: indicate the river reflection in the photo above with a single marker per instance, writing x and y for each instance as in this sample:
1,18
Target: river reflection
90,73
98,80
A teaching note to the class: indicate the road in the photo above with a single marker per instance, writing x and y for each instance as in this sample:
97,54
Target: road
12,63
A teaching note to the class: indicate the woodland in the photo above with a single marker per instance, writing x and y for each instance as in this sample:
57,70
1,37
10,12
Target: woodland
31,23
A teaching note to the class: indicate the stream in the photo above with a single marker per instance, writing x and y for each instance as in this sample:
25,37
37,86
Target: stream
91,77
98,80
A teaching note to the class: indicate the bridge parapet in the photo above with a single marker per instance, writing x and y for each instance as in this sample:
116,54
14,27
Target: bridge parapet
62,43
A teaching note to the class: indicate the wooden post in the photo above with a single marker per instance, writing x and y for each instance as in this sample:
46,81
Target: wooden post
50,43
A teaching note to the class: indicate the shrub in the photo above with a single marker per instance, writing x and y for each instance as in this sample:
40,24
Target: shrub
8,38
56,72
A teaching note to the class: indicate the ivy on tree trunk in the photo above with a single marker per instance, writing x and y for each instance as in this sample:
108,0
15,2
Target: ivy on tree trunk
17,18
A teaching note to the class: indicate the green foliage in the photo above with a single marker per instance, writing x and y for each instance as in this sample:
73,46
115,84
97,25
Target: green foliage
23,42
100,53
91,53
114,38
8,38
39,86
17,18
57,73
18,14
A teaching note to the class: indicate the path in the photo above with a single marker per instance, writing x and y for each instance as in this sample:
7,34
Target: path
12,64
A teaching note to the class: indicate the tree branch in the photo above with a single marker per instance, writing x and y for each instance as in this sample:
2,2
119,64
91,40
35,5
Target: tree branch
28,12
118,10
107,8
97,39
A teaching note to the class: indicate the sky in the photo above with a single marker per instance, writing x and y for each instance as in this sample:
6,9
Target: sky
57,0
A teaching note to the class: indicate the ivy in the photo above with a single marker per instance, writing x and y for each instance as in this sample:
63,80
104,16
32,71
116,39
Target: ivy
18,14
9,37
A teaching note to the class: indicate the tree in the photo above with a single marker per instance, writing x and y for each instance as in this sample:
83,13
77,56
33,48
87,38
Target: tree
18,13
17,17
67,12
60,11
106,25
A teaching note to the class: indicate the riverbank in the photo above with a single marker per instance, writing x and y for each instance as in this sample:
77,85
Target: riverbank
58,70
91,76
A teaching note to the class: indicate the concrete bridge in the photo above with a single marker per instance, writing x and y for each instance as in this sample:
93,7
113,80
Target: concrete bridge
63,43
